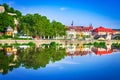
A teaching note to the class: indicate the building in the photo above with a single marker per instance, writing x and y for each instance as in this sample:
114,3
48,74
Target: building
2,9
8,51
102,33
116,31
9,31
80,50
103,51
79,32
71,32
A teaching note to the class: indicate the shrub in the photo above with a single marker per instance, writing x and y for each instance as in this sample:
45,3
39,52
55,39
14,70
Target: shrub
31,44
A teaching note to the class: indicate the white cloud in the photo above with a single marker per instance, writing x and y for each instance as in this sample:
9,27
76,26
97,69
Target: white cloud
63,8
60,64
55,66
68,62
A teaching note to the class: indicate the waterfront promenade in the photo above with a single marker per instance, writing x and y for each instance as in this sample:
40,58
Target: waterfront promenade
63,42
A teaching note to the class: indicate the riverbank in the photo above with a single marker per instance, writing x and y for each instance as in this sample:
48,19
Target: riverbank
64,42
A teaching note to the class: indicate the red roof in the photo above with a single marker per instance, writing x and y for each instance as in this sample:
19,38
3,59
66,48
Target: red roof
102,29
103,52
79,28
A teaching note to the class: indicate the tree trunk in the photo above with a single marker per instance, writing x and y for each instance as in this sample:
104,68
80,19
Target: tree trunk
48,37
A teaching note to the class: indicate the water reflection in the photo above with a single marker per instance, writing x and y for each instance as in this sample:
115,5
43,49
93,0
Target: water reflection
34,58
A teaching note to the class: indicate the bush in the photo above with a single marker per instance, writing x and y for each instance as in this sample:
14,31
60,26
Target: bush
53,44
0,45
6,44
116,45
100,44
78,44
31,44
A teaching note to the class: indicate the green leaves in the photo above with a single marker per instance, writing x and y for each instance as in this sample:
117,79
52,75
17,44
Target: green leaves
5,21
40,26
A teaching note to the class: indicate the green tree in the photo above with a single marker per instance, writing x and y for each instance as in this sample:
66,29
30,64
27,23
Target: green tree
5,21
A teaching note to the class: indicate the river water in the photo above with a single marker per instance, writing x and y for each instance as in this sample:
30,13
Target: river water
69,63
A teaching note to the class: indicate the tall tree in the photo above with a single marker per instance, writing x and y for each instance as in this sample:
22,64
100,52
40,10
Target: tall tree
5,21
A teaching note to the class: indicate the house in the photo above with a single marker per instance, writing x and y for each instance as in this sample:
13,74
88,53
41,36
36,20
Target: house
81,50
9,31
103,51
79,32
116,31
9,51
2,9
71,32
102,33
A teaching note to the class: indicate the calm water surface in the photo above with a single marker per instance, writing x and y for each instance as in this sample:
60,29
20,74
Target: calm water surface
68,67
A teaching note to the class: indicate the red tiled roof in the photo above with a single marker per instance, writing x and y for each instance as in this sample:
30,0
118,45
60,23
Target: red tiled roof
99,52
102,29
103,52
79,28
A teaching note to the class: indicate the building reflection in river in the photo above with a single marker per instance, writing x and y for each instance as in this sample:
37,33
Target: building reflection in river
82,50
11,57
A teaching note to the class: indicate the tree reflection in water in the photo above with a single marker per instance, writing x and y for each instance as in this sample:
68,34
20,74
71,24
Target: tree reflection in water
34,58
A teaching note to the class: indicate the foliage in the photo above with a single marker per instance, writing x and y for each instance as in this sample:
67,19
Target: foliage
91,43
37,25
38,57
99,44
117,38
31,44
116,45
9,9
5,61
5,21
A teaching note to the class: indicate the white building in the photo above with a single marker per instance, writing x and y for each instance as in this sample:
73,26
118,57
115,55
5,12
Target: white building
2,9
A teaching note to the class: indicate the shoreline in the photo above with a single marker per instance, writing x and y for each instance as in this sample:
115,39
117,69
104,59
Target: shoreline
39,42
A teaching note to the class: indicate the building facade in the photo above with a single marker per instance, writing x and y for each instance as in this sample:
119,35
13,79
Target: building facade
2,9
79,32
9,31
102,33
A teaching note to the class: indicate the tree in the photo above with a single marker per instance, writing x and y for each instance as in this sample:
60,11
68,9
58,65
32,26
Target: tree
6,6
39,57
58,28
5,21
41,26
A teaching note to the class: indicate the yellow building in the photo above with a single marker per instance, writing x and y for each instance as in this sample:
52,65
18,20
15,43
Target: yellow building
9,31
8,49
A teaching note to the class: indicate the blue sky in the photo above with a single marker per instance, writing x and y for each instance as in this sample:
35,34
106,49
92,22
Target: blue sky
83,12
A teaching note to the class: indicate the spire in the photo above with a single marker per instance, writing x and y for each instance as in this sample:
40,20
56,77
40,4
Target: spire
90,25
72,23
